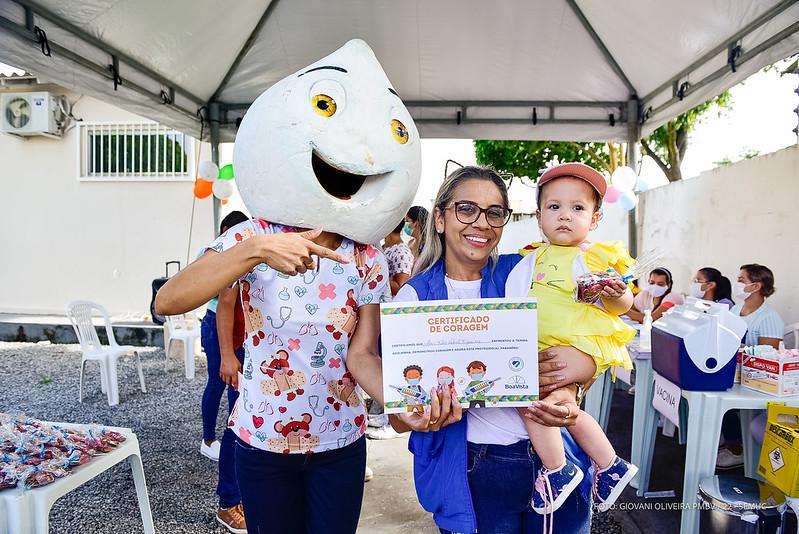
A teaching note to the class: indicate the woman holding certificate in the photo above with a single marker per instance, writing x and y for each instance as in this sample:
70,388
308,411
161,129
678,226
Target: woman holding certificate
478,474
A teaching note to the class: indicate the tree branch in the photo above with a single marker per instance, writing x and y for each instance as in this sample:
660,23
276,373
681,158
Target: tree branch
682,142
651,153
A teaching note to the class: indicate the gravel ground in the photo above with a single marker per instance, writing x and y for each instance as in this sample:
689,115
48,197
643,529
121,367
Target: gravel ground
41,380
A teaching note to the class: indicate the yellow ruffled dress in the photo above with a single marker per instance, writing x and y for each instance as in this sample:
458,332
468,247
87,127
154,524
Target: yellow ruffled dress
562,320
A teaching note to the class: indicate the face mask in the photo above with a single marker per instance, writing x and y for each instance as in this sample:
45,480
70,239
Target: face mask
657,291
413,381
407,229
477,376
738,291
696,290
445,380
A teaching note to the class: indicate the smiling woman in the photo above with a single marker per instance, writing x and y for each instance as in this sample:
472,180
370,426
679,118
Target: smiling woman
459,469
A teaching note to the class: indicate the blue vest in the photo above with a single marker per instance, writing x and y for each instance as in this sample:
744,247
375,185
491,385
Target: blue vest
439,458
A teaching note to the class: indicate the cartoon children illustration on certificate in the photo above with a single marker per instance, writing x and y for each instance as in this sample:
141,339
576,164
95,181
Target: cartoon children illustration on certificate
476,390
445,376
414,396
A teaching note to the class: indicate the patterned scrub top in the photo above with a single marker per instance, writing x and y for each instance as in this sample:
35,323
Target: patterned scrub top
296,394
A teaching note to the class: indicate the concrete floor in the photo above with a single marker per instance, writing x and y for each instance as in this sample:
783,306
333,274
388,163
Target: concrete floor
390,505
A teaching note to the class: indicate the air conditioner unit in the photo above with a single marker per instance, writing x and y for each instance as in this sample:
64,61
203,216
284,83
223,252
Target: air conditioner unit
29,114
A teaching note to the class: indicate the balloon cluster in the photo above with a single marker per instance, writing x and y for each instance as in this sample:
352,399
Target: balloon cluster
213,180
624,183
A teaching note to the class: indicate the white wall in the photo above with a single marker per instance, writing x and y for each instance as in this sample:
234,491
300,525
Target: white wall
64,239
741,213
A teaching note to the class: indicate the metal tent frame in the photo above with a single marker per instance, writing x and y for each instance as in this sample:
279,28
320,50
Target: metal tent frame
43,41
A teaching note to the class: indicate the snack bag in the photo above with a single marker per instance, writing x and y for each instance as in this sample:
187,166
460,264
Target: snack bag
589,286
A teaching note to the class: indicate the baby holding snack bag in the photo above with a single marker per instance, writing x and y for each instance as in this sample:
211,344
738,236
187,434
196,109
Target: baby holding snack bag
569,201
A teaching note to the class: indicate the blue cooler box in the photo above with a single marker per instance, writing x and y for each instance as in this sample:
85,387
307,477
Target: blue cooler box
694,345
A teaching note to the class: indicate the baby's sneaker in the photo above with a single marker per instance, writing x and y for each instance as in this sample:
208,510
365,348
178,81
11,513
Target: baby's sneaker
610,482
552,488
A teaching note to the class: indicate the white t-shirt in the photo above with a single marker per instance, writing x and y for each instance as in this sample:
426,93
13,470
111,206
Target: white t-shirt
296,393
763,322
497,426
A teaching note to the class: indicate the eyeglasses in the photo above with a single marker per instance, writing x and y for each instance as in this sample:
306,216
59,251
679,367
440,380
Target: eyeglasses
468,212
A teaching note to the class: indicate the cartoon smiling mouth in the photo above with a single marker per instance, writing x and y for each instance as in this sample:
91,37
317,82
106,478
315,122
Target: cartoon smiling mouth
336,181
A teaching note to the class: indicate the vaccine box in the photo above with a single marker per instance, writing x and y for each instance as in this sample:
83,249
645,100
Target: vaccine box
771,371
695,345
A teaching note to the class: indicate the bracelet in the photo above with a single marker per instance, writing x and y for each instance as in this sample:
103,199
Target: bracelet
580,393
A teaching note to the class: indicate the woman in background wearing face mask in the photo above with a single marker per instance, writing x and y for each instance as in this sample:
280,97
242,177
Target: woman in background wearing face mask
764,327
657,296
710,284
415,221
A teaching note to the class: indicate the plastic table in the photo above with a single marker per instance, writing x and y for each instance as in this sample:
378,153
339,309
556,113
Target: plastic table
705,412
641,403
28,511
599,398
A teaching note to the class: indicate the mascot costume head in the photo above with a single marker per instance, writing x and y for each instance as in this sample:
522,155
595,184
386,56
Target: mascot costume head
332,146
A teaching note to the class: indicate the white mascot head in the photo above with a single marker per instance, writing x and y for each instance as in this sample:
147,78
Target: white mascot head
332,146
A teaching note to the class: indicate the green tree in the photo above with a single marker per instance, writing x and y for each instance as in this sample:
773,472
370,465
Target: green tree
526,158
667,146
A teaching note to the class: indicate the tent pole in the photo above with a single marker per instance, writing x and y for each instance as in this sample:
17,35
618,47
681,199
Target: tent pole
633,136
213,119
601,45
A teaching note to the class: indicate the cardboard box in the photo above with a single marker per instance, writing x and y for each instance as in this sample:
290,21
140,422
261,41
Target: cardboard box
779,457
771,373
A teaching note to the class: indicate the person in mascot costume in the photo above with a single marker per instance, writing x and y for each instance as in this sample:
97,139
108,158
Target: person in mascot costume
327,161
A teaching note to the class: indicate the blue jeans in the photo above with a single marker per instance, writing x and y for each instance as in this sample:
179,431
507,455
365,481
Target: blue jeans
501,479
301,493
226,487
212,395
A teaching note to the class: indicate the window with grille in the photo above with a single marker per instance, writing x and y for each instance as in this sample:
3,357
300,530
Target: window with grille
134,151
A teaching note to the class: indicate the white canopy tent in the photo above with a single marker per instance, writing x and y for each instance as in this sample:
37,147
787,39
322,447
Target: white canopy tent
511,69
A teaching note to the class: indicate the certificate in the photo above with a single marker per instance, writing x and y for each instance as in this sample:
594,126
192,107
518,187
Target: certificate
484,349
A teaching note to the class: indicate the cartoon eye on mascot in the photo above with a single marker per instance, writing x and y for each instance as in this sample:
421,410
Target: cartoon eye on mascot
332,146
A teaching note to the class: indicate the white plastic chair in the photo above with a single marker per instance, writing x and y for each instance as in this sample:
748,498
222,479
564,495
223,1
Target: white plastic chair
791,338
178,330
80,314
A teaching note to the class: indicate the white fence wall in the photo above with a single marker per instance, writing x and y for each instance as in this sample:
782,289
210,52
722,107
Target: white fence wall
65,239
741,213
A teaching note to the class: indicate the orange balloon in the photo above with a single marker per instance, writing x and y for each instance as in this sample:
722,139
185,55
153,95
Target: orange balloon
203,188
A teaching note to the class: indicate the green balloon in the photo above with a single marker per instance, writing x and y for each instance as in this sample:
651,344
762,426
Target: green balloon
226,172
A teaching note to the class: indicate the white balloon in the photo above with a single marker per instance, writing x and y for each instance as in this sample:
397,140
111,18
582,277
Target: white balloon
628,200
208,171
624,178
223,189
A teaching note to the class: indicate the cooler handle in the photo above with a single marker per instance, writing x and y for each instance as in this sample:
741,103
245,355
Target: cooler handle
167,267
